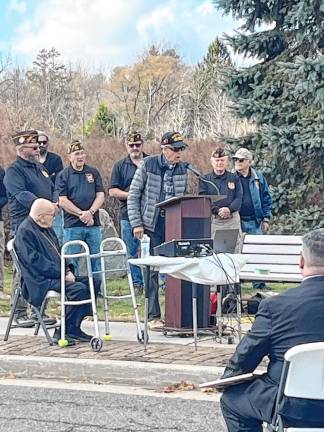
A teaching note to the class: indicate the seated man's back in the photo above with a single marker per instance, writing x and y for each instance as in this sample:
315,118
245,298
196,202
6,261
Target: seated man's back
291,318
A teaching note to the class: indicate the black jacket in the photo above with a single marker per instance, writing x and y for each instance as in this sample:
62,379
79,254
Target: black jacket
39,258
283,321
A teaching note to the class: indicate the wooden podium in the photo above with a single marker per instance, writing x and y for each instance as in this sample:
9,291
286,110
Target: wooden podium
187,217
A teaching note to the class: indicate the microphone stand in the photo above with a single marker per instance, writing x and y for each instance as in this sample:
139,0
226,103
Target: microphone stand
201,176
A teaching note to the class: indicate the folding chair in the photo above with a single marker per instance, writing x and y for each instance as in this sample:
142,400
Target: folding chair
297,382
38,311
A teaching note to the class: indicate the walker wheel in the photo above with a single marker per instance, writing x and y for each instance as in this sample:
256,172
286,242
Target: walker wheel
96,344
140,338
107,337
63,343
165,332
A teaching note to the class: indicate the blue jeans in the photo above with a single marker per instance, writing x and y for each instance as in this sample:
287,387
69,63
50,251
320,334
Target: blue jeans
132,245
90,235
252,227
58,226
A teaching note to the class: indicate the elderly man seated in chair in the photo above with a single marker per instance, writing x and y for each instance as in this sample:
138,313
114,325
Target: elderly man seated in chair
38,252
292,318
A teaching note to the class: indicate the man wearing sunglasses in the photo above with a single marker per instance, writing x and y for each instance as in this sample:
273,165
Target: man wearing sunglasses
51,161
121,177
53,164
25,181
256,205
157,178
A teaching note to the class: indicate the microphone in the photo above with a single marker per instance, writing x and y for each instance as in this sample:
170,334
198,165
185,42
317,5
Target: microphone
201,176
192,169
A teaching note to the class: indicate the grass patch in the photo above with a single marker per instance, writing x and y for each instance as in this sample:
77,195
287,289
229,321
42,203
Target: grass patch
120,310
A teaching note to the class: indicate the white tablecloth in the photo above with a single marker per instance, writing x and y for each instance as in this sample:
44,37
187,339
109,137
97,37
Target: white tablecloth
220,269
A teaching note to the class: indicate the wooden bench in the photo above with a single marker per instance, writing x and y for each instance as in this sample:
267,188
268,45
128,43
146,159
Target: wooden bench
279,254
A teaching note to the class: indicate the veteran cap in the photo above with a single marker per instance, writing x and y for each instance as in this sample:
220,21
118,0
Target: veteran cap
219,152
25,137
134,137
173,139
75,145
243,153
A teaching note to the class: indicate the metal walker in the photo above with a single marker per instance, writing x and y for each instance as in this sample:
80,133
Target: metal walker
96,342
122,252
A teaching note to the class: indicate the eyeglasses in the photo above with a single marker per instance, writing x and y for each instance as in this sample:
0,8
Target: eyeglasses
175,149
239,160
35,147
135,145
42,143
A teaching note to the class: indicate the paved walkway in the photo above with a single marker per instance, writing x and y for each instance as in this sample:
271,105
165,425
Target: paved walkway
121,361
124,346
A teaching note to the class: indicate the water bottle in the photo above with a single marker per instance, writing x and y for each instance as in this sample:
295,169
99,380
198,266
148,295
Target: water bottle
145,246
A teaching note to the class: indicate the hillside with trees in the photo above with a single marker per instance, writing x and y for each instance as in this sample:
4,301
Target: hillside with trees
274,106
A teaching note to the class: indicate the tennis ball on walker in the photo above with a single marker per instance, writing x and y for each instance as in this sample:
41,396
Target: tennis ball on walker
63,343
107,337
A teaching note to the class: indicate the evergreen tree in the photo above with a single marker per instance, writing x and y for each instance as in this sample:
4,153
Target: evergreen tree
103,122
283,95
206,89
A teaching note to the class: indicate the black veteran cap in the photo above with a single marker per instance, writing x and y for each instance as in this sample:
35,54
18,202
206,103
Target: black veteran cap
134,137
75,145
219,152
173,139
25,137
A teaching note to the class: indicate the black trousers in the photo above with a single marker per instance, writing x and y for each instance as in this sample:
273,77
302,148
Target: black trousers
156,238
74,291
239,414
242,415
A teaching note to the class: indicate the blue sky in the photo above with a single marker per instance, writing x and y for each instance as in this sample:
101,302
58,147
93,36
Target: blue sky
106,33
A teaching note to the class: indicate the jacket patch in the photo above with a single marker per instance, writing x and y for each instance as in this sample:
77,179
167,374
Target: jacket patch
231,185
89,177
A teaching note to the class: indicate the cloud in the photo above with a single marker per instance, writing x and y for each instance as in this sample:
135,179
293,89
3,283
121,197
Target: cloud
205,8
89,32
17,6
112,32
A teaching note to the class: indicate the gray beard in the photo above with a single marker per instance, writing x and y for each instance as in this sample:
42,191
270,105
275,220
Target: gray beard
33,158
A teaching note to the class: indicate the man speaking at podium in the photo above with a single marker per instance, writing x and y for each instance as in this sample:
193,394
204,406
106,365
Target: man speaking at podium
157,178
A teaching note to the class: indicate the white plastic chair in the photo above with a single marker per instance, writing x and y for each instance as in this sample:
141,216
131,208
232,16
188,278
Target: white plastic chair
302,377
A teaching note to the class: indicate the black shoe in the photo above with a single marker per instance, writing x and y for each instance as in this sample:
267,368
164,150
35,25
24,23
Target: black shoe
22,320
80,336
57,336
48,321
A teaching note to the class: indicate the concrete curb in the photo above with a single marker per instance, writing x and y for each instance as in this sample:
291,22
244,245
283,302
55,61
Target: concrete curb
146,375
